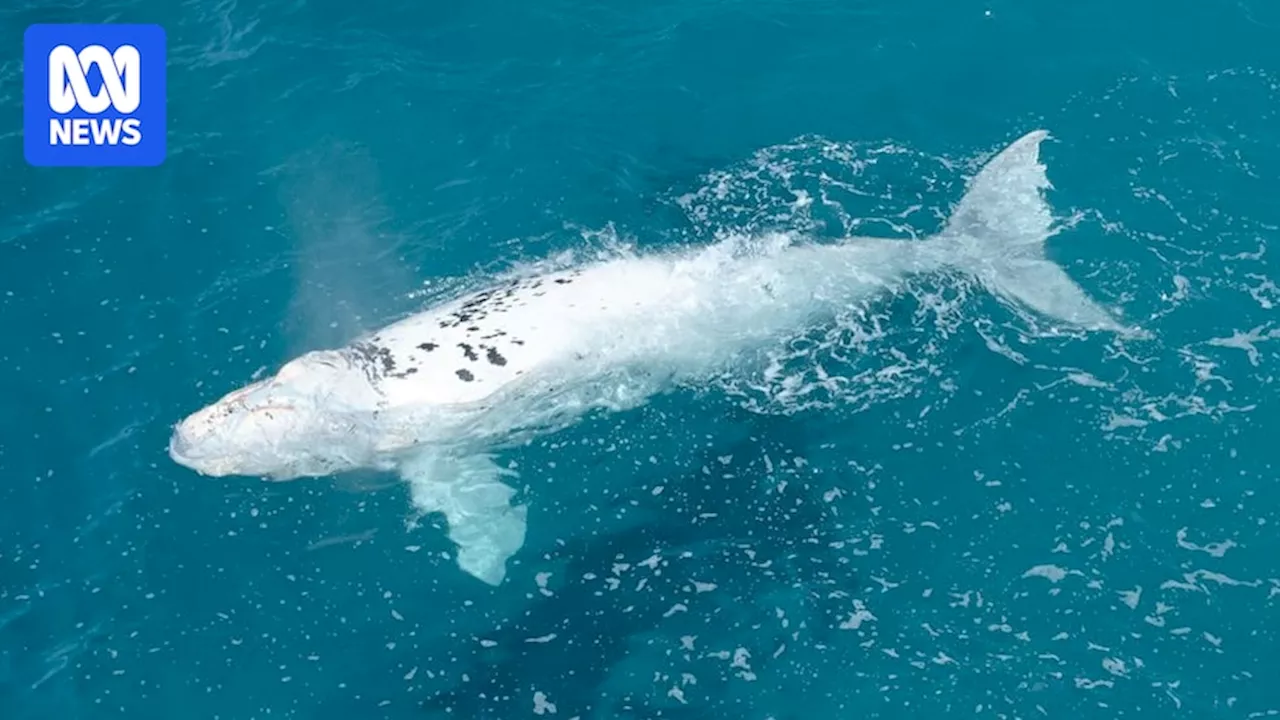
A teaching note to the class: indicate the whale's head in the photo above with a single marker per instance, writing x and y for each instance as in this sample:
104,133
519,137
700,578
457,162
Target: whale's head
310,419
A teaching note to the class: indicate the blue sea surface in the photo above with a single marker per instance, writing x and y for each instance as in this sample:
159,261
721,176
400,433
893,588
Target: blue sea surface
925,508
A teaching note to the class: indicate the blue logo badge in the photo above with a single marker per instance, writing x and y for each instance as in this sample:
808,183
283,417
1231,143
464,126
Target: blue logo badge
94,95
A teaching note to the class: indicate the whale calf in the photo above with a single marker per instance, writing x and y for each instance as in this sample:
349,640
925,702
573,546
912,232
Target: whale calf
435,395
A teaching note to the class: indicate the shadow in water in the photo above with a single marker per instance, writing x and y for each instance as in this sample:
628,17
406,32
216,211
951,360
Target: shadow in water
734,554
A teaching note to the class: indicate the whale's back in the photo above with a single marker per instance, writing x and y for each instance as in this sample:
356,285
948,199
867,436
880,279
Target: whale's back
466,350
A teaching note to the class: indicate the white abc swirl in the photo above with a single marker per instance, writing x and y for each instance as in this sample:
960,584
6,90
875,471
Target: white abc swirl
122,93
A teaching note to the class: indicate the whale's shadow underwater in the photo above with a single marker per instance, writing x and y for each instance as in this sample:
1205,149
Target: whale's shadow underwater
715,554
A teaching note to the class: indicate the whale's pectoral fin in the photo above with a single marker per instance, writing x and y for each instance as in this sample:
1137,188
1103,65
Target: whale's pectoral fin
469,491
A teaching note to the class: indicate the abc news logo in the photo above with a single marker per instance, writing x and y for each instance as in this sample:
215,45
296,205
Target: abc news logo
69,89
94,95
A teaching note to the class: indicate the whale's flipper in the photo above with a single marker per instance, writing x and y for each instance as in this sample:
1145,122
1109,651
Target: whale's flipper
999,230
468,490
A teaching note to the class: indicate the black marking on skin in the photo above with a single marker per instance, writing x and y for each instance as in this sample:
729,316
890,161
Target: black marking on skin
480,305
563,281
375,360
465,375
468,352
428,346
494,357
478,300
518,342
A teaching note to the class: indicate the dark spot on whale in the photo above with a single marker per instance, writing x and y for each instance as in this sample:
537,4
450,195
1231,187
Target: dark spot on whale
466,375
468,352
478,300
428,346
563,281
473,328
376,359
494,357
518,342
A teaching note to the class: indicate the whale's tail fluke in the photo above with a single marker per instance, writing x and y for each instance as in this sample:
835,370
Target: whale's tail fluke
998,233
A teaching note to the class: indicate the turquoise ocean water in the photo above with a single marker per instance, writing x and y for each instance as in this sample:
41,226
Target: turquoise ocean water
924,508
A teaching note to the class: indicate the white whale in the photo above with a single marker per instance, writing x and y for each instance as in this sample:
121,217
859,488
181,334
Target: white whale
434,395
